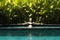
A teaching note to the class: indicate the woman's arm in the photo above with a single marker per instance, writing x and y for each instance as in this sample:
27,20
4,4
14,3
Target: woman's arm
37,23
22,23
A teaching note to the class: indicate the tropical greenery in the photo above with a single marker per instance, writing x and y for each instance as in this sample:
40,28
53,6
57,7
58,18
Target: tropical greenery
18,11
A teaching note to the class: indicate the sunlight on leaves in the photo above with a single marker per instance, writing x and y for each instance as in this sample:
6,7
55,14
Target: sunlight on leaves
51,6
44,11
30,15
30,5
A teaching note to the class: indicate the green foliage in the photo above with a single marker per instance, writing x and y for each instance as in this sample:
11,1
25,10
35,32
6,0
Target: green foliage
18,11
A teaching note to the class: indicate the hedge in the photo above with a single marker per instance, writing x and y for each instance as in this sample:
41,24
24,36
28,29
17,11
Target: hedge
19,11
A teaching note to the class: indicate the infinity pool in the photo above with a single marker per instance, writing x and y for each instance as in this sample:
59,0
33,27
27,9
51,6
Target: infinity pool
30,34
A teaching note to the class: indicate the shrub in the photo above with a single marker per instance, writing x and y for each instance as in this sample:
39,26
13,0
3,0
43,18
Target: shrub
18,11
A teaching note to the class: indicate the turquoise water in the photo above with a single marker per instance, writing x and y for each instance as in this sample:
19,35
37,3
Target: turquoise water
30,34
29,38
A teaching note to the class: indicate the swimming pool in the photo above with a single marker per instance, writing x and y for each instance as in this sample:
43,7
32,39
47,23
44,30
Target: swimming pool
30,34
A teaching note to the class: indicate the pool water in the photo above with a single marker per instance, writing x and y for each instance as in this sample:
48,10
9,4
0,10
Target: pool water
30,34
29,38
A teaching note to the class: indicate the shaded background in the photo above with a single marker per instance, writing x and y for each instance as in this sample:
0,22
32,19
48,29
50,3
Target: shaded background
19,11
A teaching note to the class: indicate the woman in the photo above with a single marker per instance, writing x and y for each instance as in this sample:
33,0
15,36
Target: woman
30,23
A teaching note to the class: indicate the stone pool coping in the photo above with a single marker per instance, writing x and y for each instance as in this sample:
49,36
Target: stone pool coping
34,26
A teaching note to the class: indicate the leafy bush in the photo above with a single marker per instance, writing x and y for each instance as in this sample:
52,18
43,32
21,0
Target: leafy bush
18,11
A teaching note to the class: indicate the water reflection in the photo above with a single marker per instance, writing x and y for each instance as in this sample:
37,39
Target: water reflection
30,32
30,36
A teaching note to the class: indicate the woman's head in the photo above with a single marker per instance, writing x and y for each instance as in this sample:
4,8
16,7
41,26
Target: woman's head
30,19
